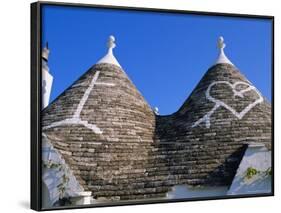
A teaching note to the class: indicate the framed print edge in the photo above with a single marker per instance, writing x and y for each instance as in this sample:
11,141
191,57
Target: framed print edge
35,184
36,158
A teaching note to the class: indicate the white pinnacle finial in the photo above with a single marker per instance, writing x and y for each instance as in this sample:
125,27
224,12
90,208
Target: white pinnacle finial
222,59
111,42
109,57
221,44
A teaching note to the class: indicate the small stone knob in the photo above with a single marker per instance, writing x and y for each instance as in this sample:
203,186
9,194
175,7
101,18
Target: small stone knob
111,42
221,44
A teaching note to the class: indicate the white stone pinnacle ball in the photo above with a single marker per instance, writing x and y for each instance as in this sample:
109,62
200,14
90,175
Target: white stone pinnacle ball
112,38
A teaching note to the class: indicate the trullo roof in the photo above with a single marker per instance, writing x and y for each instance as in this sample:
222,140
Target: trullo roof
119,149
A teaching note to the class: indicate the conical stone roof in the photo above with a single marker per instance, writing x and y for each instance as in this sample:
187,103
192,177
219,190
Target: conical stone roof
104,129
223,114
108,142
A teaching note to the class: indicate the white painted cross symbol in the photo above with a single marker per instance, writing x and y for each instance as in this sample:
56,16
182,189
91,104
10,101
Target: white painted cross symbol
76,119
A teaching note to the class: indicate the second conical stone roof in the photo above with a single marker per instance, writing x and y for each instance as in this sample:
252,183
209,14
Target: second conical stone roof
224,113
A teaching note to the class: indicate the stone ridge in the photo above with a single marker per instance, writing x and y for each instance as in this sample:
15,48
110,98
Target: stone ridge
140,155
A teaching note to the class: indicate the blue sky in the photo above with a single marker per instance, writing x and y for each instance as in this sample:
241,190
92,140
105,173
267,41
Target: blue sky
165,55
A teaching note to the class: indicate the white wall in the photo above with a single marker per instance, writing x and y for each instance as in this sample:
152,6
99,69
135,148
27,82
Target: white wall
47,81
258,158
184,191
52,177
46,200
15,106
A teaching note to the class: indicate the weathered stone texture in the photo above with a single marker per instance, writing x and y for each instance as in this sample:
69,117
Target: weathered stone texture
215,151
140,155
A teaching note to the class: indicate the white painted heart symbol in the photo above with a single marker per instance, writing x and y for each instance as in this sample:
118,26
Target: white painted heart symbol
218,103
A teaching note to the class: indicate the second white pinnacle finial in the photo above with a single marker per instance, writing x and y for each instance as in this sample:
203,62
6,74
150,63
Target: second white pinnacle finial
111,42
221,44
222,59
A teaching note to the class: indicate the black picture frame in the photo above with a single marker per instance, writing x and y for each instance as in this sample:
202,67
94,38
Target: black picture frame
36,78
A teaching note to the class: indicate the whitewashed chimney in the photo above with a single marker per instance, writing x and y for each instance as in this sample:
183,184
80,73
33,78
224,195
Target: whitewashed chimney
47,78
